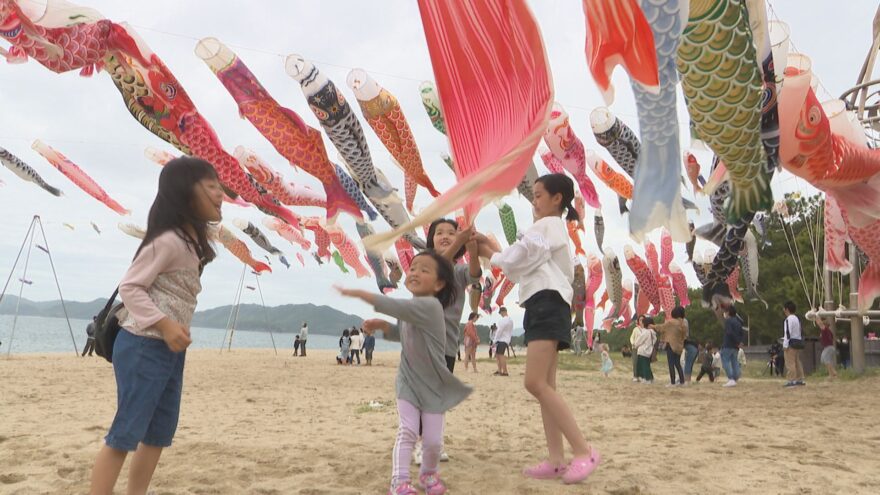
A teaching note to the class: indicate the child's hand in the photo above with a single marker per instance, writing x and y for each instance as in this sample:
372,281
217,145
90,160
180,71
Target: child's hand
175,335
374,324
363,295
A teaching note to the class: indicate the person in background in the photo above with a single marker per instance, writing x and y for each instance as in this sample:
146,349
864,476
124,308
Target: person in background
344,348
578,339
303,336
369,345
792,343
733,338
716,361
296,343
492,331
471,341
90,332
826,338
633,338
356,343
673,333
843,348
645,344
607,364
707,362
690,352
502,341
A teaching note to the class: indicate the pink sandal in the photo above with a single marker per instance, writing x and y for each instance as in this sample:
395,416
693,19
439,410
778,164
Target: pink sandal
404,488
544,471
432,484
581,467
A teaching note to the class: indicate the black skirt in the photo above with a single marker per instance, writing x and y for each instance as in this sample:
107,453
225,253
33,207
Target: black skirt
548,317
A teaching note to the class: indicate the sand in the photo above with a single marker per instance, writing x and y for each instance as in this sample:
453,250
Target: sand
252,422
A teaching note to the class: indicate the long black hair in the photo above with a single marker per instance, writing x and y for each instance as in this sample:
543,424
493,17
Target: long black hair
432,229
446,273
173,207
561,184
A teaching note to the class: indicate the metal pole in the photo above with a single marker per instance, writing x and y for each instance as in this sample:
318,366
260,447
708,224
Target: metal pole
27,260
14,265
266,313
857,327
57,284
237,307
232,311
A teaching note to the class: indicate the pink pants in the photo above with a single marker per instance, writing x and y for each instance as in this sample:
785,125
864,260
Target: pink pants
408,433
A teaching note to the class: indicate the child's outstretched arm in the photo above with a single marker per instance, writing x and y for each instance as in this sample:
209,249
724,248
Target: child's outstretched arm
461,239
389,330
475,270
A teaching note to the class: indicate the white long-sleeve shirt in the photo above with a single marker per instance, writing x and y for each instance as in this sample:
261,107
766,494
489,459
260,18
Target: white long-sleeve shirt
541,260
793,324
645,342
505,330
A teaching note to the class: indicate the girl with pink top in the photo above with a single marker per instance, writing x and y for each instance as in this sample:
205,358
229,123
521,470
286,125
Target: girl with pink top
159,291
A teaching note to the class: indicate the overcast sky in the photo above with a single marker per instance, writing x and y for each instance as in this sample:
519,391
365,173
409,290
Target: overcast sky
85,119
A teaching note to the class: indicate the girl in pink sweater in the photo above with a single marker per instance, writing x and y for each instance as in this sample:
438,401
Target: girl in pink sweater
159,291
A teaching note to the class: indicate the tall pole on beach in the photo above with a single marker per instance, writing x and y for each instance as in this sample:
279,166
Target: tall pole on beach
857,326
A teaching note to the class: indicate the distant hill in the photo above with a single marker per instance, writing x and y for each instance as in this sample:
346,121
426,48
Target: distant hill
284,319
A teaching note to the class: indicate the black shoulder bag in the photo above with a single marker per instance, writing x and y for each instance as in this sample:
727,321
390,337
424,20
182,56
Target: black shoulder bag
107,327
793,343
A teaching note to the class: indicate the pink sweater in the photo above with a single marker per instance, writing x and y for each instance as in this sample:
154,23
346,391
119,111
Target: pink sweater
163,281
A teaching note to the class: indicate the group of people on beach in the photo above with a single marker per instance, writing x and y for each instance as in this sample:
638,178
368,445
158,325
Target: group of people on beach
160,288
352,342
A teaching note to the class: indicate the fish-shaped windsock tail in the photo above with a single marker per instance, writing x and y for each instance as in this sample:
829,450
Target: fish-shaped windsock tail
354,192
657,200
405,253
666,253
259,266
575,238
505,289
712,232
835,238
337,258
618,33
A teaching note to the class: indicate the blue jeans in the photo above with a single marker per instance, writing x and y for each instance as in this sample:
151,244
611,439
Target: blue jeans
690,356
149,382
730,363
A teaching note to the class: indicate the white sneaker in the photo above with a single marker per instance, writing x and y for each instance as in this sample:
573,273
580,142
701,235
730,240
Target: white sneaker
417,454
635,379
444,457
730,383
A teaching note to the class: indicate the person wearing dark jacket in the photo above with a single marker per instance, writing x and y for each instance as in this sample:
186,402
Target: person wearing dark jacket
733,338
90,332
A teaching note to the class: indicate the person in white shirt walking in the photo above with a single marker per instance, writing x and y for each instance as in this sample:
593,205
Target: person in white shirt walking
502,341
792,343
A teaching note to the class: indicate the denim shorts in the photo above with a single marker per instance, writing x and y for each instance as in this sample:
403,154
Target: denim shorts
548,317
149,382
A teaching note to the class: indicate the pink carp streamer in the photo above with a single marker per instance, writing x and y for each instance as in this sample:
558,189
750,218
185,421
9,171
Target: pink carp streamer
568,153
77,176
287,193
297,142
496,98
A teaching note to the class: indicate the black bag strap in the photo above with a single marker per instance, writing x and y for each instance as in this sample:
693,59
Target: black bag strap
787,333
103,313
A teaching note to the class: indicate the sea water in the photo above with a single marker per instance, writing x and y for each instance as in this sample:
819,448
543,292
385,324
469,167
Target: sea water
37,334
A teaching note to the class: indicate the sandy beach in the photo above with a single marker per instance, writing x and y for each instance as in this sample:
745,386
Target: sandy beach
252,422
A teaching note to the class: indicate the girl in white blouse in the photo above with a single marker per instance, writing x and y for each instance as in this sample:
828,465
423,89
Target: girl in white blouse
542,265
